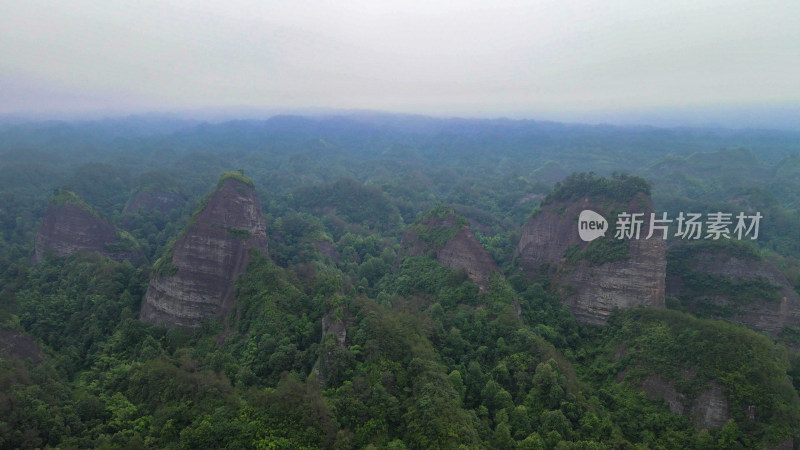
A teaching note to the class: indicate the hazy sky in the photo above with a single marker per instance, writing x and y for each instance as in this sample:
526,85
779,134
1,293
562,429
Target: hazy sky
475,58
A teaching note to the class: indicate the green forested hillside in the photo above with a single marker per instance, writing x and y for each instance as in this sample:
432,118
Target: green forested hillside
415,355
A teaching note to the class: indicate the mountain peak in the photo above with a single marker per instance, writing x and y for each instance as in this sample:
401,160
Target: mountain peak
70,226
448,235
195,279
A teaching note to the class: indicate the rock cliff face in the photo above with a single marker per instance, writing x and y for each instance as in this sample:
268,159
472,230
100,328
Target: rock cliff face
337,327
734,285
195,281
333,345
69,226
451,239
465,252
154,200
709,410
19,345
594,284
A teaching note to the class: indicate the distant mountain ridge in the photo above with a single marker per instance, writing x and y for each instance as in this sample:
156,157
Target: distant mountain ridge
363,130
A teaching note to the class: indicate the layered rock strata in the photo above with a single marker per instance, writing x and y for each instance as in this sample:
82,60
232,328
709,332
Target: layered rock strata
594,284
745,288
195,281
70,226
450,239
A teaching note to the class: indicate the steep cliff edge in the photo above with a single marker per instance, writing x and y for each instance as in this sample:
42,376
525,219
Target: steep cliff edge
605,274
712,372
70,225
195,279
731,281
17,344
448,236
711,409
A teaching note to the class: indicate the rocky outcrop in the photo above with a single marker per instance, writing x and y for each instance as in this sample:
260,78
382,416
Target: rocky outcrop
657,389
709,410
70,226
465,252
154,201
449,237
195,280
606,274
334,355
16,344
732,283
337,326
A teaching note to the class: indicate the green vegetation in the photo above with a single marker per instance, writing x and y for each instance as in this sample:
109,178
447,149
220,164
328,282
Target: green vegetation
620,188
687,252
438,226
234,175
157,181
125,243
599,251
435,364
163,267
428,359
102,185
748,366
741,292
240,234
63,197
700,285
350,201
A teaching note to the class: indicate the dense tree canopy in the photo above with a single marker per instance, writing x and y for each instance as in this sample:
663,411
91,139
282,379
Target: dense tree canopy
426,358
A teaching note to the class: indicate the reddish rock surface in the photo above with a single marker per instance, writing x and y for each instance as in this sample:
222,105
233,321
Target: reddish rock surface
710,409
16,344
69,228
462,251
337,327
465,252
211,253
592,292
759,314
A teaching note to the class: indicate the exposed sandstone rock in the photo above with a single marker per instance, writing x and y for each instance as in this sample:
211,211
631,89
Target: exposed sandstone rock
656,388
19,345
450,238
465,252
770,313
196,281
591,290
70,226
709,410
333,344
337,326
